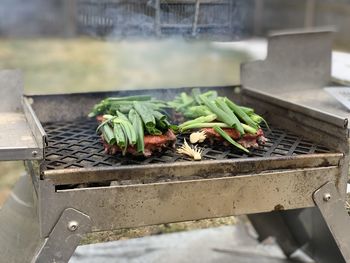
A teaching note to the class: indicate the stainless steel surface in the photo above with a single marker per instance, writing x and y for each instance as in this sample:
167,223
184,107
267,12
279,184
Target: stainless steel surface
319,127
317,114
333,211
342,94
16,138
73,225
124,206
64,238
17,142
327,197
138,174
299,229
78,155
296,69
34,124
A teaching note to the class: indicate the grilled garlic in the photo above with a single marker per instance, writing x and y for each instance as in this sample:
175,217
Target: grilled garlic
196,137
191,151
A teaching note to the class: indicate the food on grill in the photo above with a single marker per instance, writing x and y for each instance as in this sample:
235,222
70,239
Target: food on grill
247,140
219,118
124,104
152,143
198,137
135,125
191,151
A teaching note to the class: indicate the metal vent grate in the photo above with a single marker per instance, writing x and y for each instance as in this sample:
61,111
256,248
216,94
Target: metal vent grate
76,145
222,19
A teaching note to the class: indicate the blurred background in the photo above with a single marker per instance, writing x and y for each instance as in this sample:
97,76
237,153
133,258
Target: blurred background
86,45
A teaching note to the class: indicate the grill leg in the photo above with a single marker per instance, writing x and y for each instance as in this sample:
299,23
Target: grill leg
64,238
333,211
322,232
19,224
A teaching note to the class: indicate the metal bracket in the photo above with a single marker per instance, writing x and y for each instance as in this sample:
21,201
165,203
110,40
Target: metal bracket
64,238
333,211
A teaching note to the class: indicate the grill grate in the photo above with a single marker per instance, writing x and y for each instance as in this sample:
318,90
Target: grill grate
76,145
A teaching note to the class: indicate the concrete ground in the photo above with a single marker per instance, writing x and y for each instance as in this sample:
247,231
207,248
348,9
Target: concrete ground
223,244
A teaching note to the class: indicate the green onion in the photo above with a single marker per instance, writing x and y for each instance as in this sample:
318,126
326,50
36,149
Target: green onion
159,116
107,133
128,130
131,98
201,119
119,135
247,110
146,114
249,129
197,111
104,123
125,108
221,115
161,120
211,94
196,93
204,125
258,119
136,121
237,124
229,139
241,114
186,101
153,131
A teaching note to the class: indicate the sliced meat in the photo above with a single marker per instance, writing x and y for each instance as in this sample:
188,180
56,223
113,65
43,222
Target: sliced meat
247,140
153,143
211,133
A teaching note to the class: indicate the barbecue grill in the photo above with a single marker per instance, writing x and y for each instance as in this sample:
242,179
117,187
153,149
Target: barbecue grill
73,188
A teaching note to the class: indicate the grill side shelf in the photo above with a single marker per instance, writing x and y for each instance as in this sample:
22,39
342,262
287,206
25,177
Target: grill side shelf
19,139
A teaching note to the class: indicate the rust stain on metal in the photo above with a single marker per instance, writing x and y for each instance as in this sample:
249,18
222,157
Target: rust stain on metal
278,207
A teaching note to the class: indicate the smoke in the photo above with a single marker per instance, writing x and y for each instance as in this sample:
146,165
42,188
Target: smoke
23,18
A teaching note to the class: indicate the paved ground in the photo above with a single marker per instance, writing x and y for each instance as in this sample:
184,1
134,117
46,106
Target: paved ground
223,244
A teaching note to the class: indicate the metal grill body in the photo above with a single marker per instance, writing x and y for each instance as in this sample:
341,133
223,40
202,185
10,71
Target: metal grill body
77,172
76,188
76,145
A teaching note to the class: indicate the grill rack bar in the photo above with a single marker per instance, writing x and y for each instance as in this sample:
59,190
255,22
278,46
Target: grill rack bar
76,145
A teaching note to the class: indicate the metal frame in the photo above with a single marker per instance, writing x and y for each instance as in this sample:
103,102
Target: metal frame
20,137
332,209
283,184
64,237
303,66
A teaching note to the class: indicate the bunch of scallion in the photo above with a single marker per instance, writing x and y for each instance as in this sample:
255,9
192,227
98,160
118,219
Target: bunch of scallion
208,110
124,104
127,119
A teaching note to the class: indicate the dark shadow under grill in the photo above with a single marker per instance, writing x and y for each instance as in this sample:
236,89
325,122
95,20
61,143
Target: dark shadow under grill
76,145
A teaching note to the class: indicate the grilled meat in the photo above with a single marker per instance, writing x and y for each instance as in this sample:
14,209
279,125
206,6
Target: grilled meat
247,140
153,143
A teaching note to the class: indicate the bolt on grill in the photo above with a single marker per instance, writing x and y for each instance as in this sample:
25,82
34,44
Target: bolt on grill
76,145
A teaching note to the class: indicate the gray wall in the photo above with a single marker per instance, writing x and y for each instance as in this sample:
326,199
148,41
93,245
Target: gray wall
282,14
28,18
